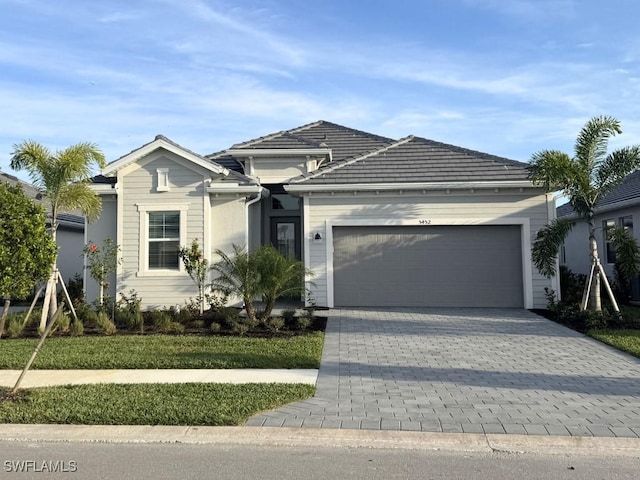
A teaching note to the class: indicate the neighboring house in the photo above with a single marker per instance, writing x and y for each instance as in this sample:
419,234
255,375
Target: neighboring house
380,222
620,207
70,235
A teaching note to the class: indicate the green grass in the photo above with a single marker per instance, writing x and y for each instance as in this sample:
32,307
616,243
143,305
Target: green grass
625,340
165,351
148,404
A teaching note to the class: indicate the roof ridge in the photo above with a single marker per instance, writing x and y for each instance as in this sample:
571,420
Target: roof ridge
332,124
330,167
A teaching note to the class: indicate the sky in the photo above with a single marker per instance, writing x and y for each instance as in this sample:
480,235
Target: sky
506,77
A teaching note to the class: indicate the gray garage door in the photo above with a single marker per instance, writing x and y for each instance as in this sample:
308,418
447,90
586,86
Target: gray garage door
438,266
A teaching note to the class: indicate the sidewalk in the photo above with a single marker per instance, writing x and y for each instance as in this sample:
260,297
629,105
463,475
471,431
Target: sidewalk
46,378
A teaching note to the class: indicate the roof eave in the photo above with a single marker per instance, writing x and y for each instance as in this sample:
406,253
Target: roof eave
234,188
288,152
333,187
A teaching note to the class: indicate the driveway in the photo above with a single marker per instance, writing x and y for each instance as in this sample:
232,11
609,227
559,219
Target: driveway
466,370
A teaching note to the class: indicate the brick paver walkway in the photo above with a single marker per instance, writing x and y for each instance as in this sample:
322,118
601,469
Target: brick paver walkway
466,370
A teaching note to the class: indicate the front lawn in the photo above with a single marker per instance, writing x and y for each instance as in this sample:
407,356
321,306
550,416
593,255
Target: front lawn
625,340
165,351
148,404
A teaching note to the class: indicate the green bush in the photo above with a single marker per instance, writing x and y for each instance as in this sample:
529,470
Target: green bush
303,322
127,319
275,324
62,323
74,287
571,286
88,316
105,324
163,322
15,325
289,316
77,328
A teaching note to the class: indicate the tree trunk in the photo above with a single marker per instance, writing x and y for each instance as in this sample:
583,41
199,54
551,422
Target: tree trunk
5,313
596,303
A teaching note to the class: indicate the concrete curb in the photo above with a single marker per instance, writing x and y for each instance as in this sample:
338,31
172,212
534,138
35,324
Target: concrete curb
301,437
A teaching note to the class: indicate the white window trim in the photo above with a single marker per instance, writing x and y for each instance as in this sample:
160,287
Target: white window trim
143,248
162,176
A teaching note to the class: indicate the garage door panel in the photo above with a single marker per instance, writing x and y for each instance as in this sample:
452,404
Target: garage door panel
466,266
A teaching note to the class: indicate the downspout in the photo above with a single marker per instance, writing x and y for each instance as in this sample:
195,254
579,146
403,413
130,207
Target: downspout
248,204
555,282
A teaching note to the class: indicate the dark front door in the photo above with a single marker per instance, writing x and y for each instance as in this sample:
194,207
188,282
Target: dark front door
285,236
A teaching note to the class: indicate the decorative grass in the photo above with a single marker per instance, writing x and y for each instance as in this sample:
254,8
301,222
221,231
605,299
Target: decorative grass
165,351
148,404
625,340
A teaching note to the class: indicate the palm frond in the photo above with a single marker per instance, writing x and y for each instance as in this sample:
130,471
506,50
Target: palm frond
32,157
75,162
593,139
627,251
552,169
79,196
547,245
616,166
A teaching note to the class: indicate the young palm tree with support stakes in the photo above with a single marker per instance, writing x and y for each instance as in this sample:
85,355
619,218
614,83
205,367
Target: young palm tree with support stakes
63,179
584,179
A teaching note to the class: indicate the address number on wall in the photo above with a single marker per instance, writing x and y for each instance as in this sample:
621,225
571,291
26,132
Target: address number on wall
424,222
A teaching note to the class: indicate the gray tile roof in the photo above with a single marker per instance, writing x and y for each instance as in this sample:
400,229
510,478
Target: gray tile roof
415,159
627,191
344,142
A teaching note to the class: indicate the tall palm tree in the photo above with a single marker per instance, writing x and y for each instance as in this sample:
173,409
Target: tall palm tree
63,179
584,179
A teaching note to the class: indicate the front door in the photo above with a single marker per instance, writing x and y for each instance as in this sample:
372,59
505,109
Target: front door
285,236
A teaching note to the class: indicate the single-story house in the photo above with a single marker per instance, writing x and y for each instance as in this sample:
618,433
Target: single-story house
70,234
619,207
380,222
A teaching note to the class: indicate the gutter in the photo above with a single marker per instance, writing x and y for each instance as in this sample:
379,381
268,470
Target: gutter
349,187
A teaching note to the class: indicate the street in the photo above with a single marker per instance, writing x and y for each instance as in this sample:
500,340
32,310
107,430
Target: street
41,460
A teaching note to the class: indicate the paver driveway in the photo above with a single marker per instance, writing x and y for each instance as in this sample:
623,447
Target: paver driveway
466,370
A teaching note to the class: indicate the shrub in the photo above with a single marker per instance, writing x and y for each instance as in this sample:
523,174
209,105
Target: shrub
88,316
74,287
77,328
63,322
303,322
275,324
163,322
105,324
215,327
15,325
127,313
571,286
289,316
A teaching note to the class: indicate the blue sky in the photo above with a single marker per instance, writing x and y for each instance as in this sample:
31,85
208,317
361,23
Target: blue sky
508,77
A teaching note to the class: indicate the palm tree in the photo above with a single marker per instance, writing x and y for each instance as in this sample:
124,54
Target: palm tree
264,274
63,178
584,179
